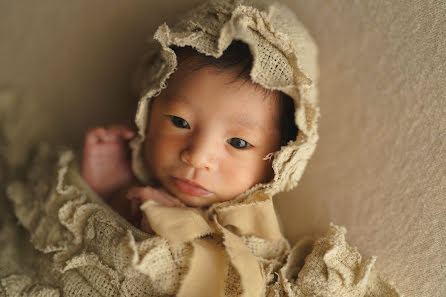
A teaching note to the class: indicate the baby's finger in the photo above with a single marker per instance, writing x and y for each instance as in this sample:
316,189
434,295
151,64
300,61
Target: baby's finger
153,194
148,193
164,196
122,131
134,207
142,194
133,193
174,200
95,135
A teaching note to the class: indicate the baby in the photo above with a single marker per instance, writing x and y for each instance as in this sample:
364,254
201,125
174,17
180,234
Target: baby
207,138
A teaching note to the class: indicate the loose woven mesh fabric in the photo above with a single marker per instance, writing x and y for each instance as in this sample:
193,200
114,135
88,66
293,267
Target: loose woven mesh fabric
80,247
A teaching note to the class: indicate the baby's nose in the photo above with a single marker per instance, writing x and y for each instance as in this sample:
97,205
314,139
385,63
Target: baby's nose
201,154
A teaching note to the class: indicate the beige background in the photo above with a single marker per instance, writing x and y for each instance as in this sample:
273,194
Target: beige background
380,168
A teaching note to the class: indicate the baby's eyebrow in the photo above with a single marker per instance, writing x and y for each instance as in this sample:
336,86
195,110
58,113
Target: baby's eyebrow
177,99
245,123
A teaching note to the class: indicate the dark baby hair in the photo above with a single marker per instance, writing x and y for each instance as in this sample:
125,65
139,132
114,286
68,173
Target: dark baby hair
238,56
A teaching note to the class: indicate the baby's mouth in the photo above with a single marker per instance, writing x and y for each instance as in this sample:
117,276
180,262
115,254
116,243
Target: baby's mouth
189,187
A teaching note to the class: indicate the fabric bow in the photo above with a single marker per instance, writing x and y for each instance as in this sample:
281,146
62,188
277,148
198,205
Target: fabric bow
210,260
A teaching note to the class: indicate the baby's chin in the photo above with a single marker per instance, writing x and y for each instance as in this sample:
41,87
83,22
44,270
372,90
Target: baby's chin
194,201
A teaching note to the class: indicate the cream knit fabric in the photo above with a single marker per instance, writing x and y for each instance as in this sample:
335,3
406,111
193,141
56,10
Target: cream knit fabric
80,247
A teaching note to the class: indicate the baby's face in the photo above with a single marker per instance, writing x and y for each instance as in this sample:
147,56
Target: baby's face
207,136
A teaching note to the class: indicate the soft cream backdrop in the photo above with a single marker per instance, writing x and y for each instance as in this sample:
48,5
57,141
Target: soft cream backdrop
380,168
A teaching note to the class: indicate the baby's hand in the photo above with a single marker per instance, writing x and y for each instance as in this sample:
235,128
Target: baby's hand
106,164
139,195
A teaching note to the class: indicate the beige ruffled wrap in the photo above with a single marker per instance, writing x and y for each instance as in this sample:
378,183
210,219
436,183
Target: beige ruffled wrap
80,247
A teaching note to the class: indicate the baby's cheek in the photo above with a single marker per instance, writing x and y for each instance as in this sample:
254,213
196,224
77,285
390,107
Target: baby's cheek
258,171
240,176
162,153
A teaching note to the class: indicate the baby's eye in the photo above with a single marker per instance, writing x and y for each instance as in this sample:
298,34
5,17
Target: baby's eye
179,122
238,143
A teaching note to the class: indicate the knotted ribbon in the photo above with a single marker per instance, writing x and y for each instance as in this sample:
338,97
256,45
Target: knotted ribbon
210,260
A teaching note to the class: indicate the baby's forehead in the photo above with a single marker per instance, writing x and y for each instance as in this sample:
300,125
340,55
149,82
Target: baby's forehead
231,78
210,89
235,95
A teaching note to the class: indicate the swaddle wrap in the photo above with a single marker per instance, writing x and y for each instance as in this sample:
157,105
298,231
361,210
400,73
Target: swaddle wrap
84,248
284,59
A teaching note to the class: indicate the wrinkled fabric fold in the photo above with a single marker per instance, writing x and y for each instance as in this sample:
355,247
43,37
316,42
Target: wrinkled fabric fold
190,224
210,260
